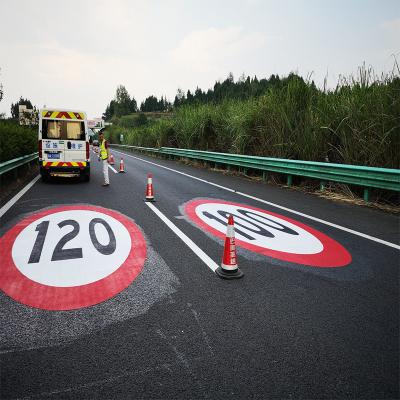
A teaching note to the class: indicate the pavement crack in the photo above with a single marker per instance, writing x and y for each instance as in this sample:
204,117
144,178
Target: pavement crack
203,332
182,360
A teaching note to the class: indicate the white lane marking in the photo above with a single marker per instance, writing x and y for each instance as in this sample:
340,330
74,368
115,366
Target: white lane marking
114,170
11,202
196,249
343,228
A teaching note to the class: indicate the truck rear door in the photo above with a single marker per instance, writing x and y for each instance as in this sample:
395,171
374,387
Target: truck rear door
75,141
52,142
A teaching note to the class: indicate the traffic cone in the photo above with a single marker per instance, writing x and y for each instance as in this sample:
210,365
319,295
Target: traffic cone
149,190
111,160
121,165
229,268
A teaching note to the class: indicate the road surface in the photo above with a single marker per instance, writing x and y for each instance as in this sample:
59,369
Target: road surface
123,302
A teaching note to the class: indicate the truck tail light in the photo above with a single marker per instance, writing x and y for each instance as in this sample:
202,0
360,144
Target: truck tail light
87,151
40,150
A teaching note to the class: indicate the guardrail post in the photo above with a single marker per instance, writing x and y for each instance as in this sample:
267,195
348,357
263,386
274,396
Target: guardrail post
289,180
245,171
265,176
366,194
228,168
322,186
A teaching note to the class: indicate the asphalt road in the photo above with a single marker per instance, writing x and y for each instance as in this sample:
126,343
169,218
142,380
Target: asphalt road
285,331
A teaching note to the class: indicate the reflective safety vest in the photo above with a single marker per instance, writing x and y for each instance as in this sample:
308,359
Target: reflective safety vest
103,150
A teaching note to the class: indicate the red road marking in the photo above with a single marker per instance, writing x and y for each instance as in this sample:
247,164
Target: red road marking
332,255
22,289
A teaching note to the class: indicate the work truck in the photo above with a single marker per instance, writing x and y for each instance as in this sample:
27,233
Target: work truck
64,149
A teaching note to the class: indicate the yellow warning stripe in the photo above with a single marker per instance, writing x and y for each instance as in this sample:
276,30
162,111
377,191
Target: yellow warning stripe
51,114
64,164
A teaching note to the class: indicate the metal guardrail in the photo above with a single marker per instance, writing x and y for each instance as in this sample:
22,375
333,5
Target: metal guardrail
17,162
367,177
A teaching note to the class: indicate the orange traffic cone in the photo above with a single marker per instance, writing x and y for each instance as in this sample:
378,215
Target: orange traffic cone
111,159
149,190
229,268
121,165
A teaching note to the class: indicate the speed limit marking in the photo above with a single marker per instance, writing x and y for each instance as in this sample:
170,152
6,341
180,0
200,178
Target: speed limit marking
70,257
268,233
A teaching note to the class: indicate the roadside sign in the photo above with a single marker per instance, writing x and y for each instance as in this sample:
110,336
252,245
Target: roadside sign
70,257
268,233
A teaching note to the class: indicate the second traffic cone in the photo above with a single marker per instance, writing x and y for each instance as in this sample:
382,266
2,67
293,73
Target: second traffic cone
121,165
111,160
229,268
149,189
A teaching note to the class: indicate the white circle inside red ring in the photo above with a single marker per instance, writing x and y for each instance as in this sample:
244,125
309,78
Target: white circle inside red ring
320,250
113,279
93,265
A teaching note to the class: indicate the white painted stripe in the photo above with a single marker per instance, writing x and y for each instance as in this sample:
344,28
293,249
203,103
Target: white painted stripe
11,202
196,249
343,228
114,170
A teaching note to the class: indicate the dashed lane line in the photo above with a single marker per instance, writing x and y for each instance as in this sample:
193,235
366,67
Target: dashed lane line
193,246
343,228
113,169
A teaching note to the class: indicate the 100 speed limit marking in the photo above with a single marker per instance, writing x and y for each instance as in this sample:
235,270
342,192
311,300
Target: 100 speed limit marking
268,233
70,257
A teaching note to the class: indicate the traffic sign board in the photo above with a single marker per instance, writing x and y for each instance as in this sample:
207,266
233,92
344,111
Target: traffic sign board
268,233
70,257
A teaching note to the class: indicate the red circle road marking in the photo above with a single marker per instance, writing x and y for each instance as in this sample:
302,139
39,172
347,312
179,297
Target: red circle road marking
22,289
332,255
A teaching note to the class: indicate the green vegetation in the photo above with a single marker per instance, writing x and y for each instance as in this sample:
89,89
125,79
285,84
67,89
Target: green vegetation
16,140
356,123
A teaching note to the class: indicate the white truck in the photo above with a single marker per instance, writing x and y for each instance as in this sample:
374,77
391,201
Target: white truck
64,148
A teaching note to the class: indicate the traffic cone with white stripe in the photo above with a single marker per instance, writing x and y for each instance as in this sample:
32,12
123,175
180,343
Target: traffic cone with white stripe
229,268
111,159
149,189
121,165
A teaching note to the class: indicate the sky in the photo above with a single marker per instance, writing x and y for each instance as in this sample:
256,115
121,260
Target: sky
73,54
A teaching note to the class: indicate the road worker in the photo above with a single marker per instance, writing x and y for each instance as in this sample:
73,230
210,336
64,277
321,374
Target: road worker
104,157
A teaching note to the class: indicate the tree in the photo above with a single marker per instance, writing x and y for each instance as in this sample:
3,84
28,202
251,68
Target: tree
109,113
15,107
123,103
179,98
1,91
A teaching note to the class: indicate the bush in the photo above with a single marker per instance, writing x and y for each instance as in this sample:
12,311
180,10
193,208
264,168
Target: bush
16,140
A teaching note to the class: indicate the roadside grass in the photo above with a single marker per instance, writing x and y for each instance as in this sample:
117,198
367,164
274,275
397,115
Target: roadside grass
356,123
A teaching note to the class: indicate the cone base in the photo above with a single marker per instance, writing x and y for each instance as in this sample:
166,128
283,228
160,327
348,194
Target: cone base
150,200
227,274
121,172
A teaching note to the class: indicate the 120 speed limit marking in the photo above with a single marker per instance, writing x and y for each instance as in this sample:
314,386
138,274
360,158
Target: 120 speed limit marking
268,233
70,257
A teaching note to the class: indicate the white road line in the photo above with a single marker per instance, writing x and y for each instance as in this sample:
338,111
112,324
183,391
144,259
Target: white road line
196,249
114,170
343,228
11,202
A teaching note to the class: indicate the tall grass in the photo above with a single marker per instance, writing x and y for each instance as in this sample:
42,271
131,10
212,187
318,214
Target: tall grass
356,123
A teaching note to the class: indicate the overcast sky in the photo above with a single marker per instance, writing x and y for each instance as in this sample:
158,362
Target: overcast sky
73,54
